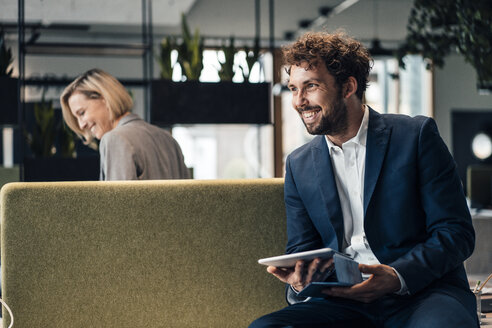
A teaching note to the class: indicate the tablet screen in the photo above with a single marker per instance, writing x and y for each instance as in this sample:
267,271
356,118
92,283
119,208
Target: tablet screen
289,260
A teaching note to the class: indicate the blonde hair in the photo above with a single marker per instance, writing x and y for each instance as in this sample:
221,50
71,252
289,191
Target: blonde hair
96,84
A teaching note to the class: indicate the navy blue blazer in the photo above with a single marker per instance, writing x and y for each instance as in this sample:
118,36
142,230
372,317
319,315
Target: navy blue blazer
415,214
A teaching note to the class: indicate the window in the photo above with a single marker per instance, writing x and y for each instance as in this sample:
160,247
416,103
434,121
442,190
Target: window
227,151
404,91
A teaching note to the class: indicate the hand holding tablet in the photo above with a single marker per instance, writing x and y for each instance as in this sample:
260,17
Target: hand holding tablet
347,274
346,270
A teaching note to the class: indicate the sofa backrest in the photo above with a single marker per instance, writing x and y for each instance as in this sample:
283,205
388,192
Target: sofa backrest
141,253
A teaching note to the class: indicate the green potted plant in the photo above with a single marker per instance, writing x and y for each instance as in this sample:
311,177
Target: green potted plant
252,56
194,102
8,85
168,44
438,27
67,142
6,58
190,52
226,72
41,139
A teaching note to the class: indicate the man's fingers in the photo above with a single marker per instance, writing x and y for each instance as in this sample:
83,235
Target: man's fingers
280,273
382,281
326,265
303,273
299,266
326,269
272,269
295,275
372,269
312,269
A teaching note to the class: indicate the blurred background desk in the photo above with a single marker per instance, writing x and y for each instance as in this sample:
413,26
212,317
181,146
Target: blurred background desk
479,265
487,321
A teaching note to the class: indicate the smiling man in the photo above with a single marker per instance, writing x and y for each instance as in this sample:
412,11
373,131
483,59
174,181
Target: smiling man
381,188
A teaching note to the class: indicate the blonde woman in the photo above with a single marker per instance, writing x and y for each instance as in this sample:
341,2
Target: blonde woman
97,106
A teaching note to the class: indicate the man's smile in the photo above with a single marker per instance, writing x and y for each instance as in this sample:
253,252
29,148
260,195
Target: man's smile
309,115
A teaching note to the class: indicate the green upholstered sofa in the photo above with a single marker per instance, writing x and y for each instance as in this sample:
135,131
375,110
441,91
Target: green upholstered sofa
140,253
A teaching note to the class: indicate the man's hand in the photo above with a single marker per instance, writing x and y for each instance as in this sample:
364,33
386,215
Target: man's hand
303,273
383,280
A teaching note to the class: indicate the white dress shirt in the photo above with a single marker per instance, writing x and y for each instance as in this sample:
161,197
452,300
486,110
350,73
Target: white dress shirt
348,164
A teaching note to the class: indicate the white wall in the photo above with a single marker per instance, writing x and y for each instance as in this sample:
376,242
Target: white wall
455,88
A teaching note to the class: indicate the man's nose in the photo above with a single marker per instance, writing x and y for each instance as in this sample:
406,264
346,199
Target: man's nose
300,100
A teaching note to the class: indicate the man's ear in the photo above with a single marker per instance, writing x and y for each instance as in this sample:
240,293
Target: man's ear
349,87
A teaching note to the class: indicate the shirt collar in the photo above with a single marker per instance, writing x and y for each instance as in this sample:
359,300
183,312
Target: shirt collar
361,137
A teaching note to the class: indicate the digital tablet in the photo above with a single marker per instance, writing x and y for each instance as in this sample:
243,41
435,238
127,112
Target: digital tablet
289,260
314,289
347,274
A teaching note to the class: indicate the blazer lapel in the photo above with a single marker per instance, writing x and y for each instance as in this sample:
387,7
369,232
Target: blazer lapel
377,142
327,185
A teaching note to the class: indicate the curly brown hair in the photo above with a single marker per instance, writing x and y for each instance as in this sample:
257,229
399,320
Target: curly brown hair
342,55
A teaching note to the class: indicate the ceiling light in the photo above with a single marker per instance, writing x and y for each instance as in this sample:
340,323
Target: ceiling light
482,146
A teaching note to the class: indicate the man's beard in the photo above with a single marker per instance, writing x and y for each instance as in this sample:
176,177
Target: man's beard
335,122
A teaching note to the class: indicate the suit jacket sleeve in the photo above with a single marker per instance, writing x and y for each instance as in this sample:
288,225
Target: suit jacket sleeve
449,236
302,235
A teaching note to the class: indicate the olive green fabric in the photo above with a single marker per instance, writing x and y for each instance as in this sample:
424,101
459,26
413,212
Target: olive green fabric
141,253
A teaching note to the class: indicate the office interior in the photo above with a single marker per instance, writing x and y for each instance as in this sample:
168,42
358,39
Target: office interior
52,42
109,35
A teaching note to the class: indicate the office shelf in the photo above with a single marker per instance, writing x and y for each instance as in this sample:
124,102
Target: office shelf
32,47
86,49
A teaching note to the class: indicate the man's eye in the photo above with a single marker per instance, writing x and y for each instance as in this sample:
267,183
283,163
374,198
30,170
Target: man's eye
311,85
